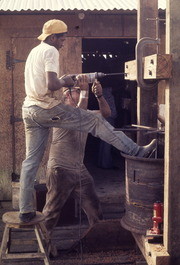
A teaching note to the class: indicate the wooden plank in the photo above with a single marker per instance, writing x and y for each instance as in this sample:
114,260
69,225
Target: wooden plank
130,70
155,254
23,242
40,243
5,241
158,66
23,256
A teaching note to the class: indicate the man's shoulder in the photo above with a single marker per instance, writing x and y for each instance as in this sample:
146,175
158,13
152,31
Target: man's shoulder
43,50
44,47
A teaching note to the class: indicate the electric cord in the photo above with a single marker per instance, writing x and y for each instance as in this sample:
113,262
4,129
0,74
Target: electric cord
80,188
81,151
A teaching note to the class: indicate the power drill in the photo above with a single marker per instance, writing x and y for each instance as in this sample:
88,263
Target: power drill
97,75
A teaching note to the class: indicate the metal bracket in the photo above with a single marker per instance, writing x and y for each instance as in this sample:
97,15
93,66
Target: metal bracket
139,61
14,119
11,61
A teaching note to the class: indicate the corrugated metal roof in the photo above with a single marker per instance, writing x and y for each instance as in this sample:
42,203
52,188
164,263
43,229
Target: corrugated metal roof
64,5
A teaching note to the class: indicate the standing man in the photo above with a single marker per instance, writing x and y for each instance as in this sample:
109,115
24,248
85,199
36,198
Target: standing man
42,110
66,172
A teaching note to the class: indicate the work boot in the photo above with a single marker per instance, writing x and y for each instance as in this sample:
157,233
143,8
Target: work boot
27,217
147,150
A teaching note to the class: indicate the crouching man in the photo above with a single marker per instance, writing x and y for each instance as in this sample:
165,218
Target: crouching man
66,173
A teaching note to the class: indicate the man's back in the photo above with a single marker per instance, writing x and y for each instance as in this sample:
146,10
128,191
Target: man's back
67,149
42,58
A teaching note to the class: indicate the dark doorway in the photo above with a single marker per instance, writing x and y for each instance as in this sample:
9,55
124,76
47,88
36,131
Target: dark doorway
109,56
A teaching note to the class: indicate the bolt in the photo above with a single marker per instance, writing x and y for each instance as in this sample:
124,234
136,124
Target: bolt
150,72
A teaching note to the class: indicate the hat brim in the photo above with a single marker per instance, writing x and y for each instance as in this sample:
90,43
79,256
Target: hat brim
43,36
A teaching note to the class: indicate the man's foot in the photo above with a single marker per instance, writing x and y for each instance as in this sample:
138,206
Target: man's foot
147,150
27,217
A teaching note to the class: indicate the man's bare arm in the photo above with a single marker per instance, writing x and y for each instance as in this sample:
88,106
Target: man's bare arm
54,83
103,105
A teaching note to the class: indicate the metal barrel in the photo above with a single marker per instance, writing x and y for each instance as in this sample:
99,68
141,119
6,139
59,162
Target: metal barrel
144,186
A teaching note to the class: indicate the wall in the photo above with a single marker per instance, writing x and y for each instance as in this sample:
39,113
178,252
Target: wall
25,29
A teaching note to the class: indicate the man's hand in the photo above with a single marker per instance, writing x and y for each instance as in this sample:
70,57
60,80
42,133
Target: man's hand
97,89
68,80
103,105
82,82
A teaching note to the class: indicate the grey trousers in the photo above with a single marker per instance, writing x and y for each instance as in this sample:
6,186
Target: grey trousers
63,183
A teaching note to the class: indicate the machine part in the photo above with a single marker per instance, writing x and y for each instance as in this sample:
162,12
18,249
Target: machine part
139,62
155,234
144,186
157,218
98,75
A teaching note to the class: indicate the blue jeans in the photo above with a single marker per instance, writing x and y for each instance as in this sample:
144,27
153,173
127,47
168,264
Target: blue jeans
37,124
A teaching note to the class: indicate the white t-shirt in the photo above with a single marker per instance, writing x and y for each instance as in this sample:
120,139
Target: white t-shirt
43,58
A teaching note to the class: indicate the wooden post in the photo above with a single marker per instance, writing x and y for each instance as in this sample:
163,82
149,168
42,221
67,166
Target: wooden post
172,134
147,99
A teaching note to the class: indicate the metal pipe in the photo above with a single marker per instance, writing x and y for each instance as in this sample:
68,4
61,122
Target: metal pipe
144,127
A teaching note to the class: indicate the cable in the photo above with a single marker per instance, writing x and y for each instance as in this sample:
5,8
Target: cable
80,145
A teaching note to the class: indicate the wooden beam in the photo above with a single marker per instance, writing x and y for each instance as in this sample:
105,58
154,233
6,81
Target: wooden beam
147,99
156,66
130,70
172,131
155,254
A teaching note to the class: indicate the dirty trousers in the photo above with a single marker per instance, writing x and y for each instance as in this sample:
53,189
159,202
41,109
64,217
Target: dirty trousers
63,183
37,122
